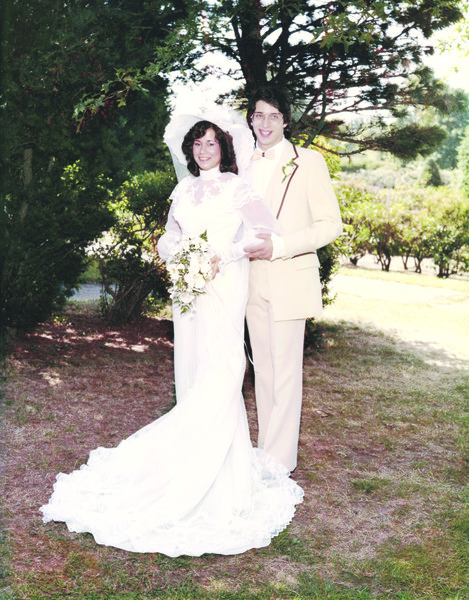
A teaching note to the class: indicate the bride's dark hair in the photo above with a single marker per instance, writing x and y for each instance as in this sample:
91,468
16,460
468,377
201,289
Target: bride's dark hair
224,139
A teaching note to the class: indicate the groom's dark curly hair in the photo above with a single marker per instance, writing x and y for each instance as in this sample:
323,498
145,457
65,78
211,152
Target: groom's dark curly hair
275,97
224,139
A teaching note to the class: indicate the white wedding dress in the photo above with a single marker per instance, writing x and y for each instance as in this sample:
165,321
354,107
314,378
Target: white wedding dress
190,482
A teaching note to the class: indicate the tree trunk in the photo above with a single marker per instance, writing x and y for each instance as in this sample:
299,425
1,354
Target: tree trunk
28,166
246,27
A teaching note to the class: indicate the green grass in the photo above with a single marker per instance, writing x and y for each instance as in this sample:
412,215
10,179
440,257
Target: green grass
409,277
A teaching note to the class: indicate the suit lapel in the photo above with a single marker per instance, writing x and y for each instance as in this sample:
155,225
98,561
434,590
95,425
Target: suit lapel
282,178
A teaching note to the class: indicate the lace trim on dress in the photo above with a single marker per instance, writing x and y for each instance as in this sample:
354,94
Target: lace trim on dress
211,184
202,189
116,518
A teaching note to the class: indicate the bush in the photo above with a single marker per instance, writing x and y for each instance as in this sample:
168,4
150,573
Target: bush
130,268
379,170
432,174
418,222
354,243
463,161
384,225
450,239
371,224
49,226
437,227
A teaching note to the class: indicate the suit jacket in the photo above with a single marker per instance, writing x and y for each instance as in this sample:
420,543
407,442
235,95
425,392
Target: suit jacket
302,198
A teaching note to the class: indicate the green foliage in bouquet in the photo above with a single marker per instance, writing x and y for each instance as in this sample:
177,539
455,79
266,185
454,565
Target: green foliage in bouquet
189,269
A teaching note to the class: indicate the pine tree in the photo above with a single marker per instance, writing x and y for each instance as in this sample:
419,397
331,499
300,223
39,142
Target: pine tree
341,62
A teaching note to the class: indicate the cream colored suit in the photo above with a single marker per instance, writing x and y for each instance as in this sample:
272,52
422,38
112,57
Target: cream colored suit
286,291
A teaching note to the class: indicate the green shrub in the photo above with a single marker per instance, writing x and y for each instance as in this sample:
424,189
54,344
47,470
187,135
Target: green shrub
49,225
432,174
130,268
437,228
371,224
355,241
463,161
407,222
450,239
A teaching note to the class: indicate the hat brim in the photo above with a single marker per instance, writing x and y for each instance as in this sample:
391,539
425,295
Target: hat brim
226,118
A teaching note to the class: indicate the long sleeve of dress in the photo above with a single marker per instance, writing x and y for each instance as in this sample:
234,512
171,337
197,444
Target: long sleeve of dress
194,196
171,236
256,218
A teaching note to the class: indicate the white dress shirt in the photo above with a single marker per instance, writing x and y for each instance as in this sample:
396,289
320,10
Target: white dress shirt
262,171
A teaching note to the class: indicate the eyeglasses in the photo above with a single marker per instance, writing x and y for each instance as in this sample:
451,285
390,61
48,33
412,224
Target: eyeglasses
274,118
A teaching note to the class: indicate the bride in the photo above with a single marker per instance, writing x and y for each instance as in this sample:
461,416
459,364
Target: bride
190,482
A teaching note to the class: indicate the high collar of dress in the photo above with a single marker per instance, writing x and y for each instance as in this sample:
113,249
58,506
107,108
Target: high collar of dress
210,173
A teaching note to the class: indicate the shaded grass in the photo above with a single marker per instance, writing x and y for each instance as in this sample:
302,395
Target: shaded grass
400,441
383,461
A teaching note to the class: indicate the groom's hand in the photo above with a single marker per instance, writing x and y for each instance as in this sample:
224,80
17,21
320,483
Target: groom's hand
261,251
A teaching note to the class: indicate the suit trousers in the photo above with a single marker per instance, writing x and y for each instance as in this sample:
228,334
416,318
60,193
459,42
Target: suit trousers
277,348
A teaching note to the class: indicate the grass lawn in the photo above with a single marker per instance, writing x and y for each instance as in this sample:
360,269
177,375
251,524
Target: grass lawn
383,462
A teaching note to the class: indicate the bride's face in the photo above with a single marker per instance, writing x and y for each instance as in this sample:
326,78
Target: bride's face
207,151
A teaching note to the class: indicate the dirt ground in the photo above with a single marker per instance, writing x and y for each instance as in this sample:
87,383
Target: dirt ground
79,383
404,310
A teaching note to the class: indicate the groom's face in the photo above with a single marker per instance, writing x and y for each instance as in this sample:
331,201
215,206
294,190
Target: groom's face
267,124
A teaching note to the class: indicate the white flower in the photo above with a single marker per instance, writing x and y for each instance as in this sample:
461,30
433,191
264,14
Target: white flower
206,267
186,298
146,256
288,169
194,265
173,271
189,279
199,282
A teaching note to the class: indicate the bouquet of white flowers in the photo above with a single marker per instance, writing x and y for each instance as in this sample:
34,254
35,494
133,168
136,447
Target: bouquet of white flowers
189,269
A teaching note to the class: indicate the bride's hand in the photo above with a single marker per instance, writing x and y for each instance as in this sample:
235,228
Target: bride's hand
215,265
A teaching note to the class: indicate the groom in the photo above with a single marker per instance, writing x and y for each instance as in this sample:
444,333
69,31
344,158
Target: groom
285,288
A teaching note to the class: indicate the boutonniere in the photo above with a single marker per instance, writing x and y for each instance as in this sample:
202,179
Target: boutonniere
288,169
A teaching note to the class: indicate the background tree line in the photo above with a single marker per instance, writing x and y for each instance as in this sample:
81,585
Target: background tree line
85,91
415,224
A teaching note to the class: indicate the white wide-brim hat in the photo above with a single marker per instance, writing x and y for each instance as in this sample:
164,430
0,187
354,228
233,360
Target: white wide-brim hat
227,119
